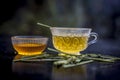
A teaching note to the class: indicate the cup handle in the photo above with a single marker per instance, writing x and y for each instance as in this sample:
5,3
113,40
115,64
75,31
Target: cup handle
95,35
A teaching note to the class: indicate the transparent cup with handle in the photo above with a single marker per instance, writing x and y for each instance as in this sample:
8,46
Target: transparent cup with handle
72,40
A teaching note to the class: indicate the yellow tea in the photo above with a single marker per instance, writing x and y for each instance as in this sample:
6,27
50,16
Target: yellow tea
70,44
29,49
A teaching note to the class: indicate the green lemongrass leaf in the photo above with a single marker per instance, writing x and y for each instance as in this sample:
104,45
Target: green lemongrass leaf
26,58
77,64
101,59
41,24
93,55
35,60
54,50
43,55
110,57
103,56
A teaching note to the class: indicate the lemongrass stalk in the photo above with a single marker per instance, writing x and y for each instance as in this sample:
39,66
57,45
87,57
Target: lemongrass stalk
41,24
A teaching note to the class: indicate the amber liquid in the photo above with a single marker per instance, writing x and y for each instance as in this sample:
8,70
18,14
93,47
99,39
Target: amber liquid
70,44
29,49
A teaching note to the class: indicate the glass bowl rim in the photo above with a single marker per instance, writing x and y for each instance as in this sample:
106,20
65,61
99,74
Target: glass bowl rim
29,37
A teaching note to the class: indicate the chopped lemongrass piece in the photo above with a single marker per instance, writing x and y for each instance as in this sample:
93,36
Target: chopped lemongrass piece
77,64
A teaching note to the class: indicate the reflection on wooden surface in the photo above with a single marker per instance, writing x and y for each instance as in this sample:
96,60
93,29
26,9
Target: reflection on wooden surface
41,70
72,73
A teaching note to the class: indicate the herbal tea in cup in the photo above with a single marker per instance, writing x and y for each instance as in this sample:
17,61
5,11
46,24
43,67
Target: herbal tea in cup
72,40
29,45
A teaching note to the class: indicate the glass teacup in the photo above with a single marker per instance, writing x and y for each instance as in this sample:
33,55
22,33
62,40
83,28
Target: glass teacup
29,45
72,40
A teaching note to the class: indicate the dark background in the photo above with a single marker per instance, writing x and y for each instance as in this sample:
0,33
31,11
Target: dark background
19,17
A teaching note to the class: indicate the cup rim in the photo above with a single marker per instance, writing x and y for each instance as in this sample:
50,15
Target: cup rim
70,28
